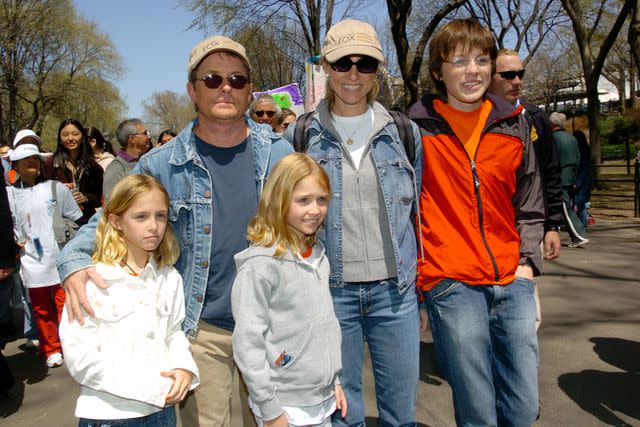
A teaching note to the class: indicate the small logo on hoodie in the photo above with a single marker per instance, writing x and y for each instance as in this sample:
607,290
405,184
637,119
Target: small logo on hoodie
284,358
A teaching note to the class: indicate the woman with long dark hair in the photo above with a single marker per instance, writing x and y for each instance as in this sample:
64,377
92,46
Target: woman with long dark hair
73,164
103,152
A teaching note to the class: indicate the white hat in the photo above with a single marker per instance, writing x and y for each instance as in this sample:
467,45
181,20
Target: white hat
27,134
26,150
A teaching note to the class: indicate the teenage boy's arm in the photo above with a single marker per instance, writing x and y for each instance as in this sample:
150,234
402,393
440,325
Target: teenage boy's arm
74,268
529,212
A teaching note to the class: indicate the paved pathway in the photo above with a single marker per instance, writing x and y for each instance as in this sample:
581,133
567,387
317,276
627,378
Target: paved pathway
589,341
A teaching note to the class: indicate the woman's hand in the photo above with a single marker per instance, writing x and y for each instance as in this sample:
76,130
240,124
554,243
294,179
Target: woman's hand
80,198
181,383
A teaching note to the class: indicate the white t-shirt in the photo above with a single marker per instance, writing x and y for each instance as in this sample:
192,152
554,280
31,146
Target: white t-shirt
356,128
32,210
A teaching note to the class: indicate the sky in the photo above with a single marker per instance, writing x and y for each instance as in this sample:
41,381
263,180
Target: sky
153,40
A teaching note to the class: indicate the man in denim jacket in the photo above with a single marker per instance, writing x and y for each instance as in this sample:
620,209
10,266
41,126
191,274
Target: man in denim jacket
214,171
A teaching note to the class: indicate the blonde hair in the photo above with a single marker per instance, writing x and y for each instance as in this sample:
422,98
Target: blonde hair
269,227
111,247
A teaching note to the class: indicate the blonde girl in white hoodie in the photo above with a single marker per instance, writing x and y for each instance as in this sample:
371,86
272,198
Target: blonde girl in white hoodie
132,359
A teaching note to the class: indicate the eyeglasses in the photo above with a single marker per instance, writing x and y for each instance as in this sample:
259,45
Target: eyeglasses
510,75
145,133
213,81
261,113
481,61
365,65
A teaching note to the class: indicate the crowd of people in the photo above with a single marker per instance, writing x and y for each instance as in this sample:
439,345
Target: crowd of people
220,250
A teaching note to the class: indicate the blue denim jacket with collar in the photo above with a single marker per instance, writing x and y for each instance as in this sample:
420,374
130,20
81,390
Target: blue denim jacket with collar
400,182
180,169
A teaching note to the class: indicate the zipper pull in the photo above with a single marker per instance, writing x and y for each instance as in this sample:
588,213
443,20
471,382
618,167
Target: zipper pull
476,181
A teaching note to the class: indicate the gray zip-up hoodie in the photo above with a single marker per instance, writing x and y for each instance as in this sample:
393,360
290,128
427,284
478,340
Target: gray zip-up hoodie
287,339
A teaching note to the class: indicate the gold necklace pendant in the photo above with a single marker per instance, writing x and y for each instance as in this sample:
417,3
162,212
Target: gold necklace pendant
349,141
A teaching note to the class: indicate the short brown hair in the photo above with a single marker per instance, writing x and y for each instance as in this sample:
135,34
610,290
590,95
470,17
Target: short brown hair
465,33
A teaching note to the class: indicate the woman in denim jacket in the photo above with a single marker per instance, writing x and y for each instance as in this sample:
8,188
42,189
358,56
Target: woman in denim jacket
369,233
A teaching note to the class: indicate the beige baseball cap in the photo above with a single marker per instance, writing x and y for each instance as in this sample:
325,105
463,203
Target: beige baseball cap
215,44
351,37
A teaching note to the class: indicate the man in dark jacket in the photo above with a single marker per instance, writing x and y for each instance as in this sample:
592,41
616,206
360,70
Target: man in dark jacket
506,83
569,154
7,264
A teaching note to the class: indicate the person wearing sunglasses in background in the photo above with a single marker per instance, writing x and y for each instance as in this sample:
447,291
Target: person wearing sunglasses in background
369,232
135,140
285,118
214,172
507,83
264,110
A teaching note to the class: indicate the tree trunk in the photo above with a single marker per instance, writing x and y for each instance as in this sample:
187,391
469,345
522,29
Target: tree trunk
632,85
593,114
634,35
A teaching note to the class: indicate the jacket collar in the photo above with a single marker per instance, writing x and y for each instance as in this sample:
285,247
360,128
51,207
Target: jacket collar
261,137
501,110
112,273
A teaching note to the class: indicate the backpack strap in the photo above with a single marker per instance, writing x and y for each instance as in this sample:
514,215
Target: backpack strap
300,135
406,134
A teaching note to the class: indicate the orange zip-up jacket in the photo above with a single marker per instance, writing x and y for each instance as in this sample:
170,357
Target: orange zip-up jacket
481,216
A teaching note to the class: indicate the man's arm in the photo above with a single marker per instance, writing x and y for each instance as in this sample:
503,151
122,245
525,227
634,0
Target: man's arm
529,208
7,241
74,268
549,165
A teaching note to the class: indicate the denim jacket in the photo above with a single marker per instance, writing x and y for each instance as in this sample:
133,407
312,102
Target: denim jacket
400,182
179,168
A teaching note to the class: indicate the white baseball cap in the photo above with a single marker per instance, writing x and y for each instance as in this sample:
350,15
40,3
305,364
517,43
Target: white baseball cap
26,150
27,135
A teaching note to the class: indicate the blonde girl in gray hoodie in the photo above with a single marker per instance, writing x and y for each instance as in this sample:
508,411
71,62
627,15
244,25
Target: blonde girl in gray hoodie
286,338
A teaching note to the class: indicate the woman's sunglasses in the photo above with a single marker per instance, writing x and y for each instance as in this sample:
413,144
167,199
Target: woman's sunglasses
510,75
365,65
213,81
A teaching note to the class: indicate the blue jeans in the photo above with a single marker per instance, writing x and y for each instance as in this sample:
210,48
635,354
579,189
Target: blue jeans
164,418
486,344
390,323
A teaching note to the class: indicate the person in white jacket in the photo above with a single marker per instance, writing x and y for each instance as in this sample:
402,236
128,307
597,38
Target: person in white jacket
132,358
33,204
287,338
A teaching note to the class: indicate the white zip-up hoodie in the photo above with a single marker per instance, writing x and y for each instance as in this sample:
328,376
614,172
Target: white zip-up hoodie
117,356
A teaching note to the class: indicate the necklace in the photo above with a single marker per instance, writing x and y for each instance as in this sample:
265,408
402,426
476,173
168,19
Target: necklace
129,267
350,138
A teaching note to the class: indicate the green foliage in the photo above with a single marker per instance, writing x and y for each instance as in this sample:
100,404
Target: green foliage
54,64
621,129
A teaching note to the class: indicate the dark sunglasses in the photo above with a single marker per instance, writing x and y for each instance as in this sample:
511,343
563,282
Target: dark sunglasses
213,81
261,113
510,75
365,65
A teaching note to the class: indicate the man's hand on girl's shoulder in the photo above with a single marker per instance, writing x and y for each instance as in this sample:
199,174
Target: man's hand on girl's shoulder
75,287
